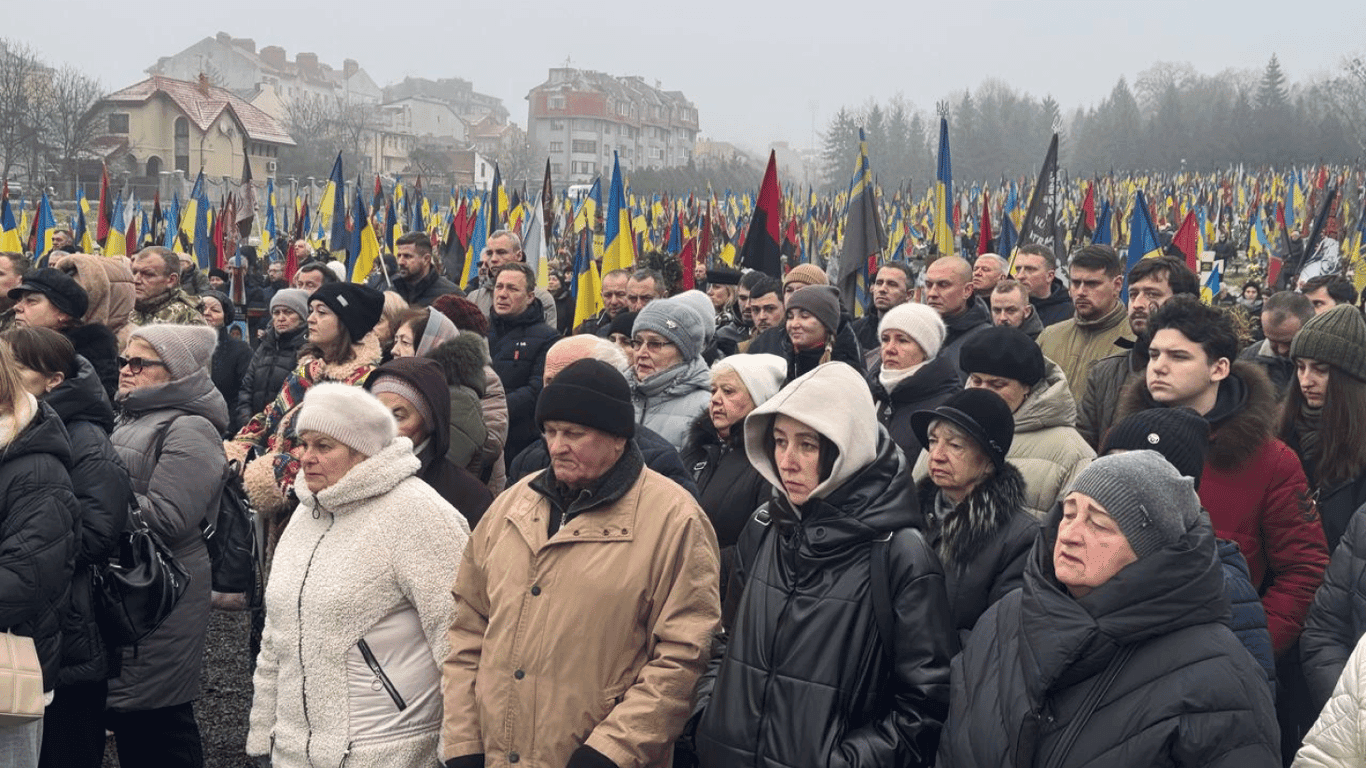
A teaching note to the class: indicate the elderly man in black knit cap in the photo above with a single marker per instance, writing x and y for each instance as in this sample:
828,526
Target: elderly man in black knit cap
596,552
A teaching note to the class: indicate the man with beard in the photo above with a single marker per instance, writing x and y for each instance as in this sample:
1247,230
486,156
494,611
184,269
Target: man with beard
1151,283
768,312
1096,275
417,281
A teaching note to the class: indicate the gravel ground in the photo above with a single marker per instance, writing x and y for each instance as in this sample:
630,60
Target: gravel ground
226,697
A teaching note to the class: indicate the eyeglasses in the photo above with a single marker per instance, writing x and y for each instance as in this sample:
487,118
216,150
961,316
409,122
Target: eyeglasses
654,345
136,364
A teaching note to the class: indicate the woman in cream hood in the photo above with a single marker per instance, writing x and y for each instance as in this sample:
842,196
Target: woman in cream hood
873,688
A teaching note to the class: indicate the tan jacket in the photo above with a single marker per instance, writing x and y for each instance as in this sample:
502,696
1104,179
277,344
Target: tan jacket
1076,344
596,636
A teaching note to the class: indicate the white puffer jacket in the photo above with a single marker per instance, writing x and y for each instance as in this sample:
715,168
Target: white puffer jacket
371,557
1339,736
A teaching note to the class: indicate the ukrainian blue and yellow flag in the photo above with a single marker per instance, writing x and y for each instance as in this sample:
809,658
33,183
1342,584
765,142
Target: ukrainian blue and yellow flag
587,282
190,218
943,237
10,239
1143,242
268,232
364,245
619,249
116,244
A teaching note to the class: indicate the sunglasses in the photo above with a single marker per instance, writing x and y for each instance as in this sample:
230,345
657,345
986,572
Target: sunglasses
136,364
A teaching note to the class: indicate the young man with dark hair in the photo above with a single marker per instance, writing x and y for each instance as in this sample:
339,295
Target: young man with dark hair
1283,314
1253,485
417,281
519,338
1096,275
1328,291
892,286
766,308
1151,283
1037,268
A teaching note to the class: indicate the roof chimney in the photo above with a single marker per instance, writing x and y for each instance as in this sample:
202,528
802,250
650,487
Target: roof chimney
224,38
246,44
307,60
203,83
274,55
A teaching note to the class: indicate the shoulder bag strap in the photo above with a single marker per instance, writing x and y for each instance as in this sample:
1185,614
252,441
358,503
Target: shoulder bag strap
879,585
1089,705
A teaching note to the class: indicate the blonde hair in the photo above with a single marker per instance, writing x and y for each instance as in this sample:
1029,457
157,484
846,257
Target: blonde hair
13,396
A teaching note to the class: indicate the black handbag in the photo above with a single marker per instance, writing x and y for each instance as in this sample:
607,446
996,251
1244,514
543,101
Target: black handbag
231,540
136,591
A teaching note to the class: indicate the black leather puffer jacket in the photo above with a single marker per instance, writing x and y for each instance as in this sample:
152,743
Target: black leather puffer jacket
273,361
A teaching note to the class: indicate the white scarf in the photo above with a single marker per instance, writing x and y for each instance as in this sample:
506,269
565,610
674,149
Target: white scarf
889,379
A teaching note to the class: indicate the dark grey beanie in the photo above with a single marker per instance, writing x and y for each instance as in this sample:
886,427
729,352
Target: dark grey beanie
1150,501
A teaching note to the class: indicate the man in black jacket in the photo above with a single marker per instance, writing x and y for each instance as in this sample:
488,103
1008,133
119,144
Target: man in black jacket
1037,268
518,341
417,281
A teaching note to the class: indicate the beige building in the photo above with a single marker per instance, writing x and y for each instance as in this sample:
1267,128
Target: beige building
162,124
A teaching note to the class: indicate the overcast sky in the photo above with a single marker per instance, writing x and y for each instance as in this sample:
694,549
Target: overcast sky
756,69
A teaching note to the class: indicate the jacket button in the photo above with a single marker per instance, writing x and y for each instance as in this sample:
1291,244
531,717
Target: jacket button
513,757
535,590
519,674
606,532
819,533
624,531
576,532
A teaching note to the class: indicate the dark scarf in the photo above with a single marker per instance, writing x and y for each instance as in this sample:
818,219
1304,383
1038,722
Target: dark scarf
1307,424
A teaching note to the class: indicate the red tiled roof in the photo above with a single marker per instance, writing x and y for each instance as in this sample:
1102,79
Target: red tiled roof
203,104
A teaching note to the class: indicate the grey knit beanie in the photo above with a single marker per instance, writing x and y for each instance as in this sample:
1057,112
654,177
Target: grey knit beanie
675,321
293,299
1150,501
1336,336
349,415
702,305
185,349
823,301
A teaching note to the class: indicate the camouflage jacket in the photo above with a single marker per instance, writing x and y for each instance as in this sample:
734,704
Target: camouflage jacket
175,306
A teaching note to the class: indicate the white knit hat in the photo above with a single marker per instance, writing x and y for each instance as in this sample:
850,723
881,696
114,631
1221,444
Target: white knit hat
349,415
762,374
185,349
918,321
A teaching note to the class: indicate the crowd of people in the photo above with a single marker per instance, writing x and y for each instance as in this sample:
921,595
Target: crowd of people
1022,513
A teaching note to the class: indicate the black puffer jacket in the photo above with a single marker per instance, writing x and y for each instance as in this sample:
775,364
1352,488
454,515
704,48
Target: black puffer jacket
730,488
425,290
38,513
659,455
926,389
231,360
1056,307
517,346
1189,695
845,349
983,543
275,358
97,344
806,678
1337,617
102,486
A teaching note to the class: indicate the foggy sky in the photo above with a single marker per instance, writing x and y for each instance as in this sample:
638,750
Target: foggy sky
756,69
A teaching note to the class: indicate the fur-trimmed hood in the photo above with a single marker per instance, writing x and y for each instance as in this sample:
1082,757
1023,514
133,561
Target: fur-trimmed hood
979,517
463,359
1243,418
109,284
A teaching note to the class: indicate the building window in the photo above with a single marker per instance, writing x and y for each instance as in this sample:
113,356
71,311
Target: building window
587,147
587,169
118,122
557,168
585,125
556,102
182,145
557,125
557,146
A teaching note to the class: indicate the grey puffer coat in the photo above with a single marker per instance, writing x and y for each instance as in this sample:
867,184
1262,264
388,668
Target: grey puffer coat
168,437
668,401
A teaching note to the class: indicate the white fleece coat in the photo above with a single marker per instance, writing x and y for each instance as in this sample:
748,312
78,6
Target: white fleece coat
376,542
1338,738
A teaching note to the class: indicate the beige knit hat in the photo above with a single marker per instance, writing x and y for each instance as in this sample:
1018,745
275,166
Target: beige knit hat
185,349
349,415
806,274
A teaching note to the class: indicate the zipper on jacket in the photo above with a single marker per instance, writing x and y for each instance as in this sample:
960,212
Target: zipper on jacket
384,680
299,611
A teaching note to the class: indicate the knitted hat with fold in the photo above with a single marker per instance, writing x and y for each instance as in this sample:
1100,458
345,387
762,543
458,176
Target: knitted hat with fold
185,349
1336,336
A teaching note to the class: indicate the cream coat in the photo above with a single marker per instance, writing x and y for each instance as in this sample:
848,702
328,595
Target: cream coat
594,636
378,542
1339,736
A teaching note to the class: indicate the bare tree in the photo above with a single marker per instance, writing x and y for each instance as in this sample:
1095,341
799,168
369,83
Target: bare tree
69,124
20,82
1346,94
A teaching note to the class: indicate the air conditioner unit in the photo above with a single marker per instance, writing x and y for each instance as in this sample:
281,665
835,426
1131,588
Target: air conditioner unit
270,166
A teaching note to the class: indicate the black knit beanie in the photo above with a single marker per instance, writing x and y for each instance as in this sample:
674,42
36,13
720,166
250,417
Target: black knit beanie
590,393
359,307
1180,434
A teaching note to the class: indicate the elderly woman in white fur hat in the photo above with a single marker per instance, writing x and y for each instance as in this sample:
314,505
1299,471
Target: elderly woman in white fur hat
359,597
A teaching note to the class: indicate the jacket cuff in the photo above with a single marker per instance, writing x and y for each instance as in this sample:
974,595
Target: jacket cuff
587,757
261,486
466,761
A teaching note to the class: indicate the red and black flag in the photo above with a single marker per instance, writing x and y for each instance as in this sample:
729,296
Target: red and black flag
760,250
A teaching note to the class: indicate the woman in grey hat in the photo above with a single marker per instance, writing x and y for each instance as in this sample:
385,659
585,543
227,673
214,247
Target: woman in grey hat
276,356
670,382
1115,652
168,435
818,331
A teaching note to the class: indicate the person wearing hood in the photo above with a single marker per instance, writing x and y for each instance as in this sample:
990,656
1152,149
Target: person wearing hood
108,284
1047,449
342,347
730,488
414,389
38,526
50,369
840,645
493,398
463,357
518,340
817,331
277,355
910,375
169,431
670,382
974,501
49,298
232,357
359,599
1115,652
